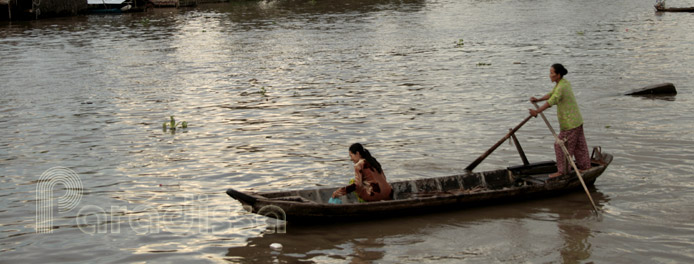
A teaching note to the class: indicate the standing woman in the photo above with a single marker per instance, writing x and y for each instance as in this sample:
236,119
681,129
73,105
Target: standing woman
369,180
570,120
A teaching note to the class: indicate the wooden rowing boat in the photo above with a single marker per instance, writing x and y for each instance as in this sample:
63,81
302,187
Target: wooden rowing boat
674,9
413,197
173,3
656,89
116,6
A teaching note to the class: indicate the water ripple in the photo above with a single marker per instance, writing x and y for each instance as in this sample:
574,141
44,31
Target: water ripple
275,91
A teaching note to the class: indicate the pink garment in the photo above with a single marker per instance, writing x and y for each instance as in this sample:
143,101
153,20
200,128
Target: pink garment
575,142
374,186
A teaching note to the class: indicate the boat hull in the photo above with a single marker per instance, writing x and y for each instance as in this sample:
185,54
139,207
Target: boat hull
675,9
422,195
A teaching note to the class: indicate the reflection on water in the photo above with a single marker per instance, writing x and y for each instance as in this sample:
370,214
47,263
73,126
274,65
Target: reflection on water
575,229
658,97
447,236
275,91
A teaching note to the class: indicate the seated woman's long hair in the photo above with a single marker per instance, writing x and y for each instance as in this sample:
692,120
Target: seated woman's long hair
358,148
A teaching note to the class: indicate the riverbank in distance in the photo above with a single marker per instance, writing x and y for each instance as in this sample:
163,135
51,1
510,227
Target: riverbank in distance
15,10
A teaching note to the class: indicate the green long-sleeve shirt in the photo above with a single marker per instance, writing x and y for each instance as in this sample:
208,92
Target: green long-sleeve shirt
567,109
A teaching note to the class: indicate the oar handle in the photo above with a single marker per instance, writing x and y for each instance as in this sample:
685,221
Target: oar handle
556,137
545,119
489,151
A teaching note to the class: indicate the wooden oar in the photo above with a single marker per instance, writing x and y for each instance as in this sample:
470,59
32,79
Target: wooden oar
568,156
489,151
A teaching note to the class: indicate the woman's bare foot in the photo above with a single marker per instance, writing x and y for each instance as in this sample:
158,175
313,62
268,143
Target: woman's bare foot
554,175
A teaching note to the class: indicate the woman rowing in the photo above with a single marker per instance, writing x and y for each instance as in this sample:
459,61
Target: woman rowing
570,120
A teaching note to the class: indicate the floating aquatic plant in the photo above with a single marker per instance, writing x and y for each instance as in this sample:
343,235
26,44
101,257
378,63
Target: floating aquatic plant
483,64
263,91
460,43
172,125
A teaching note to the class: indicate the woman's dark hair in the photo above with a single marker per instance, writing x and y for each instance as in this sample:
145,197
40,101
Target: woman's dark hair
559,69
358,148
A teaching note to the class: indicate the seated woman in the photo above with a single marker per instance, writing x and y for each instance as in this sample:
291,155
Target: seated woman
369,180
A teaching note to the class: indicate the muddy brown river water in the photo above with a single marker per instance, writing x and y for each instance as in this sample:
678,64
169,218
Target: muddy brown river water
275,92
